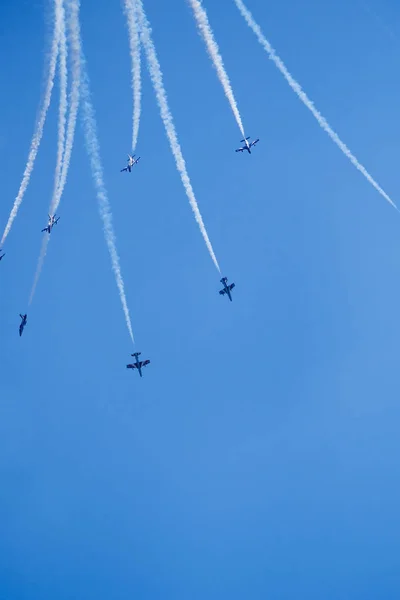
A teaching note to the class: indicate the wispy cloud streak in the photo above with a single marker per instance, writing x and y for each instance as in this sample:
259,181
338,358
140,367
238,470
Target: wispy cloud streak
213,50
161,95
296,87
134,45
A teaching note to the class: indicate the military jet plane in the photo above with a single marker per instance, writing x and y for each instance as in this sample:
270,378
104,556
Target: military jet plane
138,364
247,145
131,163
227,288
52,221
23,323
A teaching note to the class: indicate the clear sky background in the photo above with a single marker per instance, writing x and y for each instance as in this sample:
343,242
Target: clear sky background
259,455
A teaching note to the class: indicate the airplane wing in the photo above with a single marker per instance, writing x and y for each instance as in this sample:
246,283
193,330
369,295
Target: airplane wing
231,286
125,169
222,292
255,142
240,149
133,366
145,363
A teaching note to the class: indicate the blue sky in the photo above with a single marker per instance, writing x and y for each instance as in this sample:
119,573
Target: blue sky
258,456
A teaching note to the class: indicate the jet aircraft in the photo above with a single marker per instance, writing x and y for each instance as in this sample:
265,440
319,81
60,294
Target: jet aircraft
247,145
52,221
227,288
131,163
138,364
3,255
22,324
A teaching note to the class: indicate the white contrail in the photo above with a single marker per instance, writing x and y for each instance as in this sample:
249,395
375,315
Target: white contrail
213,50
60,142
37,136
73,28
134,44
296,87
42,256
62,113
93,149
92,145
157,80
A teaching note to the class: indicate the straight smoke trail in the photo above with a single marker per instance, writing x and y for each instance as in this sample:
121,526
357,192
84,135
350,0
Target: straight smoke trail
296,87
213,50
60,146
93,149
92,145
157,80
134,45
39,267
73,36
62,113
37,136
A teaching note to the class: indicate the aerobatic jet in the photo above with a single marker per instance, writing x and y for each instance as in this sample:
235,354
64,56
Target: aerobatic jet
132,161
138,364
227,288
247,145
22,324
3,255
52,221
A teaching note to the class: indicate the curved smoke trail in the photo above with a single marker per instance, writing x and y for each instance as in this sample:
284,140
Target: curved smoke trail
134,44
37,136
213,50
296,87
157,80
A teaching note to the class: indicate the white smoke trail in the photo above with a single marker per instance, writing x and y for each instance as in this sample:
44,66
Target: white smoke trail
62,113
213,50
134,44
39,267
73,28
157,80
296,87
65,144
92,145
37,136
93,149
